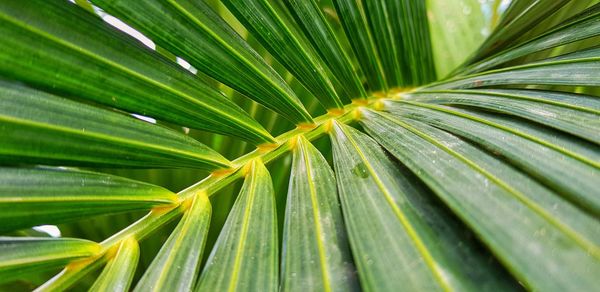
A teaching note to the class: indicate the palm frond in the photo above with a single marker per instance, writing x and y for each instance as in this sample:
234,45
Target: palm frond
339,153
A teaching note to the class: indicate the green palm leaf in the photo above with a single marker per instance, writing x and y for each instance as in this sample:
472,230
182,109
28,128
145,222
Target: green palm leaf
314,228
176,265
245,255
30,197
20,256
118,273
319,129
110,69
42,128
283,42
192,30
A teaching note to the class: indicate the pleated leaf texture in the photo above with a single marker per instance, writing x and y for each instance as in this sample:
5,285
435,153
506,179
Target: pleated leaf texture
299,145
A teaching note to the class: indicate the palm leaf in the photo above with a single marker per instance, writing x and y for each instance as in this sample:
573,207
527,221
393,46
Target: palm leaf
118,273
30,197
484,180
140,80
245,255
192,30
283,42
314,228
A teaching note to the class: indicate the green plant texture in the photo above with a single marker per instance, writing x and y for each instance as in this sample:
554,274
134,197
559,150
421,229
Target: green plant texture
299,145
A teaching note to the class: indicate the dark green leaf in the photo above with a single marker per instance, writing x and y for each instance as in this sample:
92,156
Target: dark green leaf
37,127
392,226
51,44
577,69
245,255
284,43
192,30
401,31
176,265
30,197
520,17
316,255
308,15
354,20
560,111
583,26
548,163
515,216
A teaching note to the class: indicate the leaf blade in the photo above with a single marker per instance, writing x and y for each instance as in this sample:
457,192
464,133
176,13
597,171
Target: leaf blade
323,39
30,197
285,44
313,228
246,258
118,273
20,256
474,190
195,32
354,21
176,265
140,80
32,120
375,194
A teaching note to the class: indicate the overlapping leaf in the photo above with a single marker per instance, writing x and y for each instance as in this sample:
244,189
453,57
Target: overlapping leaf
572,113
30,197
118,273
287,46
51,44
392,225
192,30
178,261
312,21
576,69
520,17
315,256
37,127
580,27
354,20
548,165
245,256
20,256
513,214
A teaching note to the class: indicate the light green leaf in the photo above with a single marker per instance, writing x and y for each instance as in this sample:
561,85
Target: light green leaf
285,44
119,271
577,69
580,27
560,139
176,265
521,16
154,220
51,44
560,111
392,226
315,256
516,217
192,30
37,127
354,20
308,15
244,257
20,256
30,197
379,17
400,29
547,165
